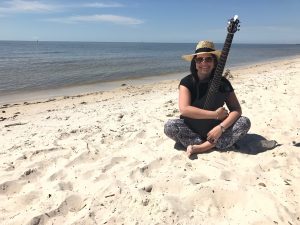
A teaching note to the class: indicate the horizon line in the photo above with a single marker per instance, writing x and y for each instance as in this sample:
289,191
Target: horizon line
154,42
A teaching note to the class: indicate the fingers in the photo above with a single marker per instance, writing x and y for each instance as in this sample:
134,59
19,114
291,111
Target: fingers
222,113
212,140
214,134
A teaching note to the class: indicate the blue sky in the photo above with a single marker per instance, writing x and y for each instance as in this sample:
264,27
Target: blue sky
263,21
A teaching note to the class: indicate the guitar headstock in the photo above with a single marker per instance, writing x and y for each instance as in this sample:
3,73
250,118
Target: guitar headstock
233,25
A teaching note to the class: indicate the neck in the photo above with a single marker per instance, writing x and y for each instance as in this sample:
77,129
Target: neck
203,77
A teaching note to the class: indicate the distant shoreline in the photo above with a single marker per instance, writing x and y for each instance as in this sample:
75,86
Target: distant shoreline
71,90
31,67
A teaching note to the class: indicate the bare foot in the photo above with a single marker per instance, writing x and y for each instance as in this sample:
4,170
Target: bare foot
189,150
192,149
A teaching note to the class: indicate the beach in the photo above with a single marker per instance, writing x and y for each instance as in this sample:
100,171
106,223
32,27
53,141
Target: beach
103,157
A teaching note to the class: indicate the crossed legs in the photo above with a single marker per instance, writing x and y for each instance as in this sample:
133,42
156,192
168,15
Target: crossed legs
177,130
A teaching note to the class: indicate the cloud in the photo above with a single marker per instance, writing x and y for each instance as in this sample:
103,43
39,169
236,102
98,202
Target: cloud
29,6
123,20
25,6
102,5
22,6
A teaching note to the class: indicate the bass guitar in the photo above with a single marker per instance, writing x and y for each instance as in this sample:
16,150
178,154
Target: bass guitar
214,99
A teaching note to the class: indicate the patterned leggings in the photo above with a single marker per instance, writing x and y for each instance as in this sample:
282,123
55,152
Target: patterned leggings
177,130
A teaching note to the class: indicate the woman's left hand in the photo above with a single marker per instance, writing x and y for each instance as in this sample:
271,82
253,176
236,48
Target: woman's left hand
214,134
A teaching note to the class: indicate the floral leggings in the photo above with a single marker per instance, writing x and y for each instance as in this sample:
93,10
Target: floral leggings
177,130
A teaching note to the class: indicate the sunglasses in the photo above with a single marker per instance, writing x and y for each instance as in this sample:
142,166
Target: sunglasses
204,59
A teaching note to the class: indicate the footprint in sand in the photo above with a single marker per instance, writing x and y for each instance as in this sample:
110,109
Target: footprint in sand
59,175
13,187
199,179
140,134
27,198
73,203
30,174
65,186
147,170
10,187
114,161
64,136
226,175
85,157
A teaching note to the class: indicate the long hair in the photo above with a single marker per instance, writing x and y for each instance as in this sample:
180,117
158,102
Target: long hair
193,68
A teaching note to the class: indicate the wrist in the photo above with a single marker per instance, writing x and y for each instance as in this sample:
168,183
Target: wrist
222,128
217,116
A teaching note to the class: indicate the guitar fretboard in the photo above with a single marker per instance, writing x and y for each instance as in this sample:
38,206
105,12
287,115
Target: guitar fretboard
215,83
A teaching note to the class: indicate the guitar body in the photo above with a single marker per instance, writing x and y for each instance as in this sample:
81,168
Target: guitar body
203,126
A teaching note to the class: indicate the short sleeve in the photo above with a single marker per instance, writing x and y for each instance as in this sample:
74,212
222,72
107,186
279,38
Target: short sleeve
226,85
187,82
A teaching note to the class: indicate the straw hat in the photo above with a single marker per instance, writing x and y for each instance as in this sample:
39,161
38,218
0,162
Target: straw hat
202,48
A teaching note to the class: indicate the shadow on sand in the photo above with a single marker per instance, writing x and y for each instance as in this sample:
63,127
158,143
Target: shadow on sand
251,144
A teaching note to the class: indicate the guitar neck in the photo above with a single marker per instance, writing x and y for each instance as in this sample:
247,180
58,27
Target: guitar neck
215,83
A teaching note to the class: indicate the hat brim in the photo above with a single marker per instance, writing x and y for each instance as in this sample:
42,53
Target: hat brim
217,53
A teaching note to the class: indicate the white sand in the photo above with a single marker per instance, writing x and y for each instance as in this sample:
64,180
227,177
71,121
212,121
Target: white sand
102,158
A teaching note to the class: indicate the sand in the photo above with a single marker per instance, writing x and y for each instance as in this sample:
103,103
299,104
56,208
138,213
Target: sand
103,158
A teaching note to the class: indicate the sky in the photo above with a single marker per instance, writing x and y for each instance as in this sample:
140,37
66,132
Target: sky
176,21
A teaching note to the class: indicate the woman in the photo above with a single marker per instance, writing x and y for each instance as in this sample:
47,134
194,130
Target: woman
231,126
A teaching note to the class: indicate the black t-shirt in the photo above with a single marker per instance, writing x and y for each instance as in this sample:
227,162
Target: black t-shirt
189,83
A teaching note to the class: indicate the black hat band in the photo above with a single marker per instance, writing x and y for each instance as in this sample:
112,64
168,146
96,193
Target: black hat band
204,50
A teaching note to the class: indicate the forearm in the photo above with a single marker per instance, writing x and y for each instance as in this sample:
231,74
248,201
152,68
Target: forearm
231,118
197,113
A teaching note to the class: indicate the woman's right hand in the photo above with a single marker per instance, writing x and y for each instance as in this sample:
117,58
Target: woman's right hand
222,113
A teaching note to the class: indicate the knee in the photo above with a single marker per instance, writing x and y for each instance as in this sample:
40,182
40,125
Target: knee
169,128
245,122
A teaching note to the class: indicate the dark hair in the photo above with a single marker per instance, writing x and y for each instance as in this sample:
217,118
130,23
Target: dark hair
193,69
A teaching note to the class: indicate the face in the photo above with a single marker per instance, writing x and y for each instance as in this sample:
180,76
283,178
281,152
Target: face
204,65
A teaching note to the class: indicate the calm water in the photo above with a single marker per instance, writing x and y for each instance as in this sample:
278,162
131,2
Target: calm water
29,66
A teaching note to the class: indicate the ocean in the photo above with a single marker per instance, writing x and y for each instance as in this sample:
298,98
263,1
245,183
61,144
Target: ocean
39,65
